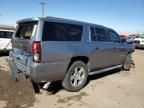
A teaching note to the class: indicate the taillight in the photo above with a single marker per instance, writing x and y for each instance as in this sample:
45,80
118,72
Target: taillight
36,48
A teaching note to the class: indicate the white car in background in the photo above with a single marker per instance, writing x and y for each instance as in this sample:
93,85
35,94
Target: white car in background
5,40
139,41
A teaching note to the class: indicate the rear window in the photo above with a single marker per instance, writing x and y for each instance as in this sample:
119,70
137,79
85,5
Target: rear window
26,30
54,31
6,34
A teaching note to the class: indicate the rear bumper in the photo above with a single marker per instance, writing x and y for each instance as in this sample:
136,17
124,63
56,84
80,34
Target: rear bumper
39,72
17,67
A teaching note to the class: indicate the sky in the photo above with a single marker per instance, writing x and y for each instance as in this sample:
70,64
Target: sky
121,15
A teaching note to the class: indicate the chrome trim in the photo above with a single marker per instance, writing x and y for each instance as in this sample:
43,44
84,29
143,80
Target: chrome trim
104,70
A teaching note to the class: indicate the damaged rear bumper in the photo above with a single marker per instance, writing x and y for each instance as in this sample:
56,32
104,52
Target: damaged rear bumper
17,67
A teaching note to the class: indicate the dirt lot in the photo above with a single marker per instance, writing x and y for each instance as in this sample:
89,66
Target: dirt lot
110,90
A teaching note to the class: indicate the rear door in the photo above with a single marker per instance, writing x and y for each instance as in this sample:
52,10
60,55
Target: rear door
102,50
5,40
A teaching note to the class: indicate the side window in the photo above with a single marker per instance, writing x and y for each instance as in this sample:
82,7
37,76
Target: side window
61,32
25,30
9,34
98,34
2,34
6,34
114,37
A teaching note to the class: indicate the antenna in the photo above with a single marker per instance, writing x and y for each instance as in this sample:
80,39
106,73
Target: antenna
42,3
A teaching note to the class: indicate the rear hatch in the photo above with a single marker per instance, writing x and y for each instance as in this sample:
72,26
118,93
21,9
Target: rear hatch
20,58
22,40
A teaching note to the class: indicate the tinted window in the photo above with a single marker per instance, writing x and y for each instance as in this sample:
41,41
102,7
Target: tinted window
61,32
98,34
114,37
25,30
6,34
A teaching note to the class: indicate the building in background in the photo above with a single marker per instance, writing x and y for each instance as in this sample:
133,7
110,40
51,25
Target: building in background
130,33
7,27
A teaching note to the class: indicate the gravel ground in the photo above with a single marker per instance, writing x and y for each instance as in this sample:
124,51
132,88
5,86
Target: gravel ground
113,89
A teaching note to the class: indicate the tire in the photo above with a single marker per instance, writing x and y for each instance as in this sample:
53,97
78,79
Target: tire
76,76
36,87
127,63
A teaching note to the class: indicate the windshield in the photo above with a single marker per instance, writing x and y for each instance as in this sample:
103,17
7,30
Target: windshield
26,30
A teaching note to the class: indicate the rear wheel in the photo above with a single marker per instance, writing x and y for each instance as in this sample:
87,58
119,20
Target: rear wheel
76,76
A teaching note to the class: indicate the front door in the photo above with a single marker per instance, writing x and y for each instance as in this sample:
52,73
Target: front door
119,50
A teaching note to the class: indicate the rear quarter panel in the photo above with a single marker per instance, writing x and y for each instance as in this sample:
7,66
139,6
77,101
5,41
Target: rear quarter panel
61,51
56,57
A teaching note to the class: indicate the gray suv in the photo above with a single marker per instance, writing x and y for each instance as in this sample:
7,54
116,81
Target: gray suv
51,49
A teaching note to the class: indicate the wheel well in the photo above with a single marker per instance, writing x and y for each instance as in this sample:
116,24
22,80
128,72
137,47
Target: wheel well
81,58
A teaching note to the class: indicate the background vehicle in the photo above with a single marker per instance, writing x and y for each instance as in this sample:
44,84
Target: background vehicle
139,41
128,39
5,40
50,49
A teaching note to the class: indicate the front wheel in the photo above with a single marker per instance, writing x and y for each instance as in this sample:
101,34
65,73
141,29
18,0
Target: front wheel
128,62
76,76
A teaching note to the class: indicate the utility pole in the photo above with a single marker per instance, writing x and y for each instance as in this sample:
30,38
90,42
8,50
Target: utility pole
42,3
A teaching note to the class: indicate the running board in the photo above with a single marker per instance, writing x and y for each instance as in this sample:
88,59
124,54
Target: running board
104,70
